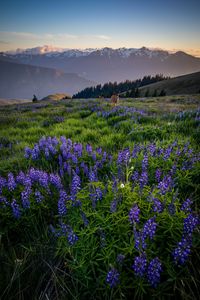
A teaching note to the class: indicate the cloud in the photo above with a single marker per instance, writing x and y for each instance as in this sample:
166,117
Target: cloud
103,37
4,42
49,36
33,36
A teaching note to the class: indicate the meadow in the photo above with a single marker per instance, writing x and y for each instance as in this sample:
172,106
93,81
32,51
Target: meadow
100,202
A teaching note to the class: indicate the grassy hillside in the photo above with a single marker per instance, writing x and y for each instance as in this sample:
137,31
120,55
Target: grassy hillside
100,202
186,84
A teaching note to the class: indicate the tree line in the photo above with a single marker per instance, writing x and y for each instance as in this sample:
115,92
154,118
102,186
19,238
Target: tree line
126,88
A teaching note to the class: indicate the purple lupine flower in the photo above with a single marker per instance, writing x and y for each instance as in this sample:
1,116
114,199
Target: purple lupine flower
120,157
183,249
143,180
55,180
46,153
171,208
113,206
135,151
20,178
190,223
63,139
104,157
62,210
120,259
78,148
113,277
60,160
114,185
4,201
75,185
186,206
137,238
25,194
84,218
74,158
3,183
158,174
140,265
11,184
27,181
152,149
165,184
126,155
167,153
92,175
35,152
99,150
43,179
135,176
15,209
145,162
149,228
157,205
52,149
89,149
134,214
38,196
99,193
94,156
153,272
72,237
27,152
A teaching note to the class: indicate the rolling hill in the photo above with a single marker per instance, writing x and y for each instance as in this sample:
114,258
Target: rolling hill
22,81
186,84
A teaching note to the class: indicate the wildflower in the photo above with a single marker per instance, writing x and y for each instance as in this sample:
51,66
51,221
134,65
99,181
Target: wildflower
149,229
134,214
153,272
62,210
75,185
157,205
15,209
113,206
145,162
143,179
55,180
140,265
25,197
38,196
183,249
84,218
72,237
11,182
186,205
158,174
28,152
122,186
190,223
112,277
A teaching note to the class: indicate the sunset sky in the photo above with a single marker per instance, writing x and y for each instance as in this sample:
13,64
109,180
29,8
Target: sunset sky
171,24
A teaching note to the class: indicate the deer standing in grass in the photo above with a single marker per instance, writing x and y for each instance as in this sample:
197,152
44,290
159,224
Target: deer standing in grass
114,99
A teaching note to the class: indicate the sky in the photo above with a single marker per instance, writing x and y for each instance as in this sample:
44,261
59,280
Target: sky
171,24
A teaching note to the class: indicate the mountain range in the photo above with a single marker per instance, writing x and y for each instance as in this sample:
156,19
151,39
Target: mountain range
89,66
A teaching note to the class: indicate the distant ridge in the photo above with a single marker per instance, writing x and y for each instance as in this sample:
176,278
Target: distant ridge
107,64
21,81
185,84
